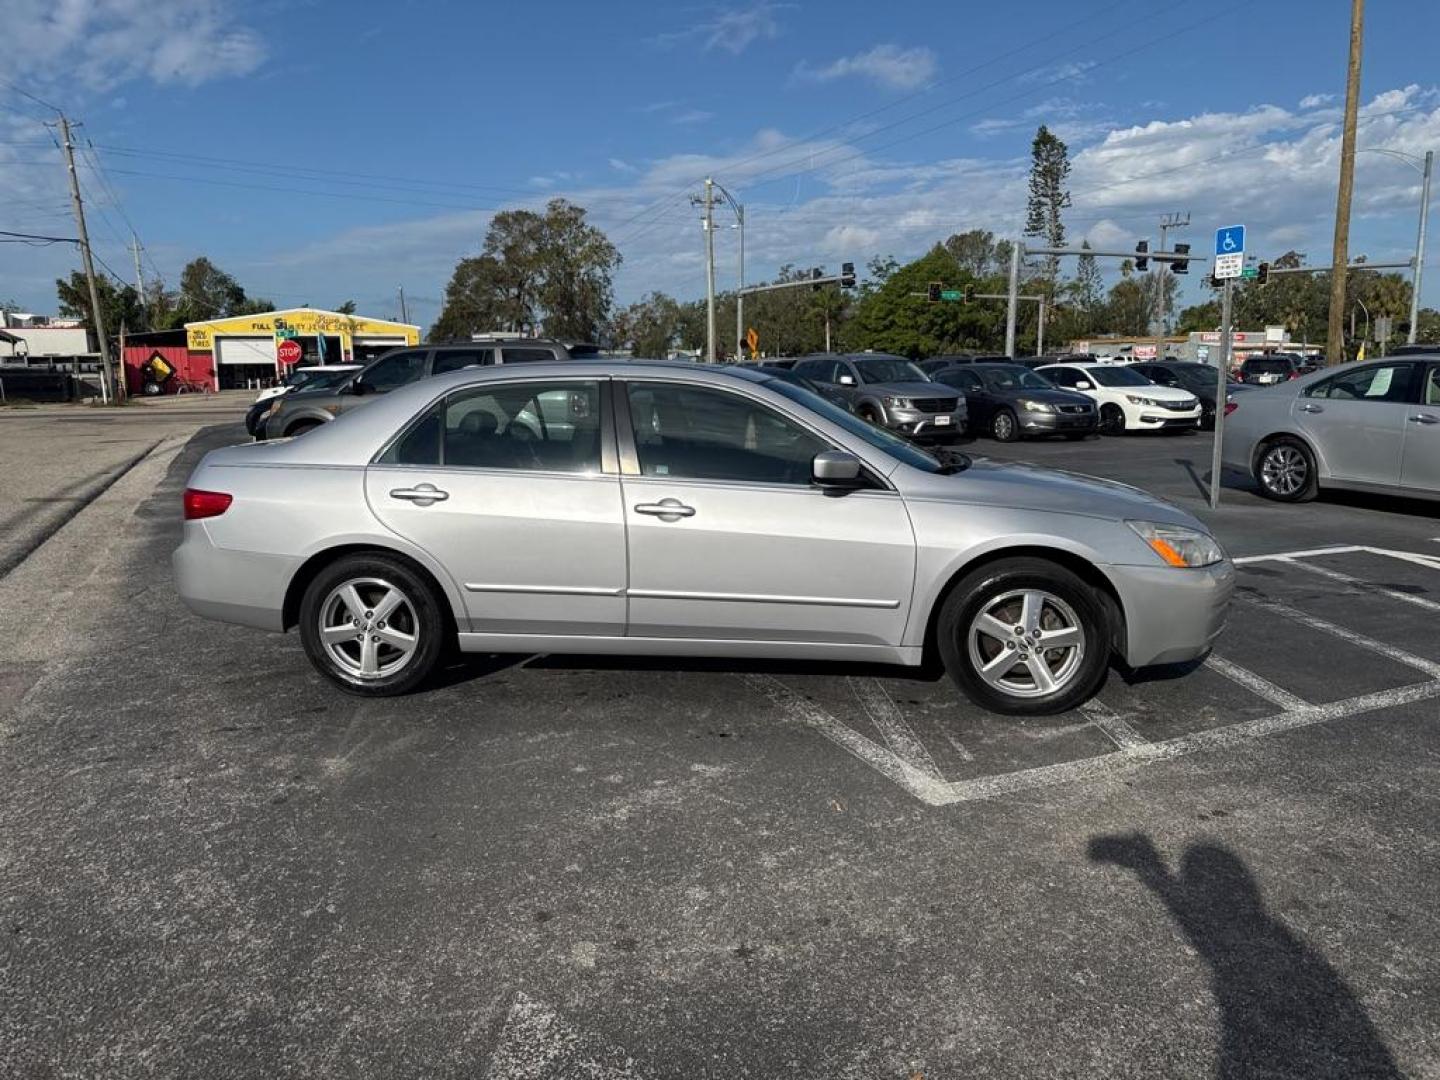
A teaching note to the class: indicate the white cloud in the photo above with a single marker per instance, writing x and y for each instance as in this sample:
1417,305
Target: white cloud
887,65
733,29
1074,71
691,116
1314,101
622,166
103,43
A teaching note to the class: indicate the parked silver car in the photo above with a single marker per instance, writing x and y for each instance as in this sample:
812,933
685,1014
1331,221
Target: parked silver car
891,392
1371,426
674,509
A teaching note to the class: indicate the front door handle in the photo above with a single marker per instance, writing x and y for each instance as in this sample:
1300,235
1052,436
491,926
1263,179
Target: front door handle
666,509
1312,408
420,494
1424,418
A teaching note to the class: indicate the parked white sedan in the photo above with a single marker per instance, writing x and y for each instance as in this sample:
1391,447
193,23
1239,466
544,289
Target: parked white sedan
1127,400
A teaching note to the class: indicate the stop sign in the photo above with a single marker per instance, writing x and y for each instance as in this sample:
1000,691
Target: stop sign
289,352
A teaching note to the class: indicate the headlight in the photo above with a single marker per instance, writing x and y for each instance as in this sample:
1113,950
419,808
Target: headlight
896,402
1035,406
1178,545
1136,399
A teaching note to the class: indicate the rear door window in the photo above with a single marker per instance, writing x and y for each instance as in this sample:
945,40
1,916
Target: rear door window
1383,382
528,354
393,371
458,359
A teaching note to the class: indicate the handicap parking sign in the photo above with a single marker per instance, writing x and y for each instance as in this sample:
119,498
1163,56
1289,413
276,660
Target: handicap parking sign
1230,240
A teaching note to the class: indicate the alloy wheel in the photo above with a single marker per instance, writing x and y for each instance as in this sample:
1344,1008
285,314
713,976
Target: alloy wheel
1004,426
1026,643
1284,470
368,628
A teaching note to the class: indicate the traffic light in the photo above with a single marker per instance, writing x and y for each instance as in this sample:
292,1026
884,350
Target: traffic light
1181,266
816,273
1141,250
1262,273
969,292
933,294
847,275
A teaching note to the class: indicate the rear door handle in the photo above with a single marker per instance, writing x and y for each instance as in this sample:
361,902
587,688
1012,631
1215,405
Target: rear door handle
420,494
1425,418
666,509
1312,408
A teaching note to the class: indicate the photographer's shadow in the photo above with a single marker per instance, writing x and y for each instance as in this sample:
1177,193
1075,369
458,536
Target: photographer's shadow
1284,1011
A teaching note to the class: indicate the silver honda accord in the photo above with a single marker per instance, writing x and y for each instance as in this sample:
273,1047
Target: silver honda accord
667,509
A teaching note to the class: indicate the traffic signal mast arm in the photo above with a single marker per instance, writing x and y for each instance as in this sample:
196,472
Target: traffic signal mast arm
1156,256
843,280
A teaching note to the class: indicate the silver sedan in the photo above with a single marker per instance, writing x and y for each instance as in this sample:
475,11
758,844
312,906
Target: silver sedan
646,508
1372,426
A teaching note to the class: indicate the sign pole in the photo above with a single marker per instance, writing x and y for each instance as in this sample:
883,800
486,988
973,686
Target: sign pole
1221,377
1013,297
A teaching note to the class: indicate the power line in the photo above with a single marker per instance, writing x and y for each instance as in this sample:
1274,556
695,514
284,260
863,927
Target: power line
26,94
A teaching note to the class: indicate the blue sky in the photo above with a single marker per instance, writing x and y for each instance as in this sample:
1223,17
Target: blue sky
322,151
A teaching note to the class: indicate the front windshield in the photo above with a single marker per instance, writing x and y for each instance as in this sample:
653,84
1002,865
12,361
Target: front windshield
1117,376
1014,378
889,369
877,437
326,380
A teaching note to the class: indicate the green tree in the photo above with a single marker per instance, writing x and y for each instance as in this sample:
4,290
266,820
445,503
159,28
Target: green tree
977,254
1087,291
1128,307
649,327
1049,197
118,306
1428,331
1199,318
897,318
550,268
347,308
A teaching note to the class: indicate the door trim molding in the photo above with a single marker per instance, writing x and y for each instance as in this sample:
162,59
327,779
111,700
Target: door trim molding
544,590
762,598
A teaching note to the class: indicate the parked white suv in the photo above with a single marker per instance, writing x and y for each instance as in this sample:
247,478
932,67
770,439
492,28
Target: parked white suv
1127,400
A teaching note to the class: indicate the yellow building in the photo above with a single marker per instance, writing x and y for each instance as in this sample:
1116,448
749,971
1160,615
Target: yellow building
244,349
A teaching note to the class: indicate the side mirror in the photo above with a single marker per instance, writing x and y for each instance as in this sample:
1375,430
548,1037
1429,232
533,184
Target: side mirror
836,469
355,386
1084,384
847,380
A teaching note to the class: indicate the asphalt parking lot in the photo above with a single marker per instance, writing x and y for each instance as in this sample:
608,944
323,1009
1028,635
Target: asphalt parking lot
213,864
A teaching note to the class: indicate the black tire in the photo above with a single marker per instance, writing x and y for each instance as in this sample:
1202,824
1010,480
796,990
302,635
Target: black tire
988,589
420,614
152,389
1285,471
1076,436
300,427
868,414
1112,420
1004,427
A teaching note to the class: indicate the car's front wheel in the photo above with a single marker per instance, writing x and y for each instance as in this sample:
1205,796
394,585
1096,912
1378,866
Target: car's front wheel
1004,426
372,625
1112,419
1024,636
1285,471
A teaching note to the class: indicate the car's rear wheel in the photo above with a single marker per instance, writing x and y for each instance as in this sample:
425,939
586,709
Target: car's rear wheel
1285,471
868,414
372,625
1112,419
1004,426
1025,637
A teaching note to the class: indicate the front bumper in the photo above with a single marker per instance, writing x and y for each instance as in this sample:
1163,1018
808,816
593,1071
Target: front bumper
1038,423
1164,418
1172,615
920,425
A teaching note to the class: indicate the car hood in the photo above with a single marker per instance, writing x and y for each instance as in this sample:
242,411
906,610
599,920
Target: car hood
913,389
1155,392
993,483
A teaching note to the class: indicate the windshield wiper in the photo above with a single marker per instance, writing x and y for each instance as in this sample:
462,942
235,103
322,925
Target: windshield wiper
951,461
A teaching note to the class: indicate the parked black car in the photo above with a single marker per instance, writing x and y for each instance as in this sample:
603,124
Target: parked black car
940,363
1275,368
1199,379
1010,401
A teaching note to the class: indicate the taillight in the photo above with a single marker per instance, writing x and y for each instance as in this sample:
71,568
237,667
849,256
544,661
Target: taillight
1230,407
205,504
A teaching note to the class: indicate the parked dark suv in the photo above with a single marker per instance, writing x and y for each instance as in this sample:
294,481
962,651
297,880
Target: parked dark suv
300,410
1275,368
890,392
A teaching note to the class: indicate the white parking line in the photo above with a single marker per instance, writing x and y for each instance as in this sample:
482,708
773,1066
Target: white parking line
1346,549
890,722
1256,684
1314,622
1336,575
1113,725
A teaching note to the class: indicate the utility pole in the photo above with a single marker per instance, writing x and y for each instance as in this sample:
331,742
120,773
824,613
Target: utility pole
1168,222
404,311
95,312
709,270
1014,298
1335,339
1222,376
1418,275
139,274
740,293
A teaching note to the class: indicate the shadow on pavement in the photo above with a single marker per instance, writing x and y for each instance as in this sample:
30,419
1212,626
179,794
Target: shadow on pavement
1284,1011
